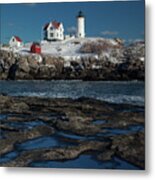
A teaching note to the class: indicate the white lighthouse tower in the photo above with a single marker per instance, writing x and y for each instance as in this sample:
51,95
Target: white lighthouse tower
80,25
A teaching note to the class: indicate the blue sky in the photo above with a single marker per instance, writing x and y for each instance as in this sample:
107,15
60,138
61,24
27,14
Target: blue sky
106,19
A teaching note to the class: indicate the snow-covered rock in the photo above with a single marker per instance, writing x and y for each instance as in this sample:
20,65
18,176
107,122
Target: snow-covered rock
66,60
68,49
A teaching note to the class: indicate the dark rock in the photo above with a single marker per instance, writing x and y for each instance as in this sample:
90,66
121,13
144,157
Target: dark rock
105,156
131,148
12,72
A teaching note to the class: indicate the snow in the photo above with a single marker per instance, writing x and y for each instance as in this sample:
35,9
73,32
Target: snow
38,58
69,49
96,66
141,58
67,64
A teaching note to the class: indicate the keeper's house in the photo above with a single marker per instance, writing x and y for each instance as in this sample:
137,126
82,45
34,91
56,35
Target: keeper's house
53,31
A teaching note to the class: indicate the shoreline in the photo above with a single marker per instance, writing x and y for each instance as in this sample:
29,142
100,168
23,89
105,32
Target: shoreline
84,125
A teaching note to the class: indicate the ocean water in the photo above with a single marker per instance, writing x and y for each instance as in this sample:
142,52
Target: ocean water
111,91
116,92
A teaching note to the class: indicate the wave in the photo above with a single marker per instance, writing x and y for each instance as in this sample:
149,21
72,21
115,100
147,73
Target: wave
118,99
114,92
125,99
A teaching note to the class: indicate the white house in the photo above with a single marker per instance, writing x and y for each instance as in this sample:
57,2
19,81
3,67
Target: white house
53,31
15,41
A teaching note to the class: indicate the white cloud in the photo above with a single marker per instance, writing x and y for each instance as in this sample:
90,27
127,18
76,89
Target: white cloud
30,4
109,33
10,24
71,29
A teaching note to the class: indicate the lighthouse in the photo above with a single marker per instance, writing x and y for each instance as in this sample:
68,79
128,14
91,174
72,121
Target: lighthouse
80,25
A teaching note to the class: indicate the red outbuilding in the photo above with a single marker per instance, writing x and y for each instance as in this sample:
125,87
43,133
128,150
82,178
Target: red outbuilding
36,48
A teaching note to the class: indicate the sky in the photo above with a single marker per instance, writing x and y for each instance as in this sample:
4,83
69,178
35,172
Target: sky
123,19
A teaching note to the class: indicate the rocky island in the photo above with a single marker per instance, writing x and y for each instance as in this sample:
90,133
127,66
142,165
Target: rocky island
87,59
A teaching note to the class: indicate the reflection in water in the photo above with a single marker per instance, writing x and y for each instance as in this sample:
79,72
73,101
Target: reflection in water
43,142
8,157
86,161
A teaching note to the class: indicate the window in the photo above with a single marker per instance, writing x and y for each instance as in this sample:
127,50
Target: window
51,34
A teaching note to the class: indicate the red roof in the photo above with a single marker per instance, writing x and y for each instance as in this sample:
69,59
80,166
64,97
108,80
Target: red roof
55,24
17,39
